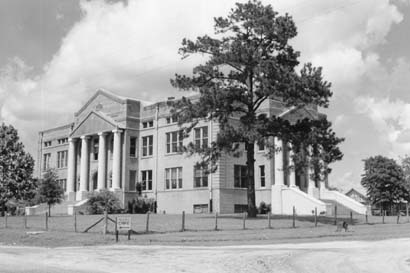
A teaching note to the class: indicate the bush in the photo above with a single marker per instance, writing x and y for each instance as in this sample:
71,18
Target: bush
101,201
141,205
263,208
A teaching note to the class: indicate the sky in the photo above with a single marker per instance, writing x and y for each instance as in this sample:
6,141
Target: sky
55,54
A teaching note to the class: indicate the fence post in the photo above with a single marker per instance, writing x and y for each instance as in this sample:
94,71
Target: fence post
129,234
75,220
216,221
336,215
351,218
46,219
398,217
25,221
383,213
407,212
294,217
5,220
183,221
105,222
367,220
269,220
244,219
315,217
116,230
147,224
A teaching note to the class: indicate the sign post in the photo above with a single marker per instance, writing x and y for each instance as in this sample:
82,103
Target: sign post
124,224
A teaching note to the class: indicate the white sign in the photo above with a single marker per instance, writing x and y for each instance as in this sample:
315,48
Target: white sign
123,223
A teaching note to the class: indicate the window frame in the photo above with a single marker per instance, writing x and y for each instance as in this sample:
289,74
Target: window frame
146,180
173,146
240,176
171,179
262,178
199,139
148,148
133,147
202,178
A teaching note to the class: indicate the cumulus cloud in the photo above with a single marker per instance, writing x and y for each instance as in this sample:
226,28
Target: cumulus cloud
132,49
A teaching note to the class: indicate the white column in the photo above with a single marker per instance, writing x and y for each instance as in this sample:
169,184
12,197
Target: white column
71,179
279,181
292,170
84,172
116,161
311,183
102,161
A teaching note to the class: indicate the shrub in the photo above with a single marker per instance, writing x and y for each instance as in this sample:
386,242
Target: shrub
101,201
141,205
263,208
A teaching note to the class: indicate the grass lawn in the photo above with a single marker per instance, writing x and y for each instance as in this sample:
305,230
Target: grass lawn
165,229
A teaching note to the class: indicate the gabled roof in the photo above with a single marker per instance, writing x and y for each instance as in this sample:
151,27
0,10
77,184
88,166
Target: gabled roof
295,109
353,190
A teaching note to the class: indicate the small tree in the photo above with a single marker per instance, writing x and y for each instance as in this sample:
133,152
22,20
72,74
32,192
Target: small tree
16,168
384,181
103,201
251,62
50,191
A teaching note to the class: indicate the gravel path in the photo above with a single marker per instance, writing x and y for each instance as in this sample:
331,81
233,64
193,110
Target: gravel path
345,256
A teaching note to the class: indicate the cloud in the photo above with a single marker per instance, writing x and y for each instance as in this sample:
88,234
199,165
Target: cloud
132,49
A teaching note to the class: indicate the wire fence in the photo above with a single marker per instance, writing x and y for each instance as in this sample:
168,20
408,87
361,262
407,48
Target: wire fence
165,223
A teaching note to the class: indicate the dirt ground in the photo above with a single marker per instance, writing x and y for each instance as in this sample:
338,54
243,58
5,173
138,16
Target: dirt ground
391,255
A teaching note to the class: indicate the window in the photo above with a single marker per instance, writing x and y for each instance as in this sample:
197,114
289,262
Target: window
200,208
172,120
147,145
201,137
200,178
133,176
62,140
62,159
262,175
239,176
47,143
146,179
174,141
62,183
261,145
148,124
133,147
240,208
173,178
46,162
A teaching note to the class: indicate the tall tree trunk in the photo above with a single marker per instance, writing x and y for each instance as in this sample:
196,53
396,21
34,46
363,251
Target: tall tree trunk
49,210
250,175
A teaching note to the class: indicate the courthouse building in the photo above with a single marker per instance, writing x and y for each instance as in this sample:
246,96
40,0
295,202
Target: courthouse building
124,144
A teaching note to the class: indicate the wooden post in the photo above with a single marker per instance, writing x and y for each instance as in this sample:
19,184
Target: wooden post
243,220
5,220
105,222
315,217
336,215
351,218
269,220
216,221
398,217
46,219
25,221
407,212
147,224
183,222
75,221
129,234
383,213
116,230
367,220
294,218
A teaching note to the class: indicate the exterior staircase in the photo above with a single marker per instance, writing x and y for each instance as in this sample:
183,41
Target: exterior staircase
64,208
344,204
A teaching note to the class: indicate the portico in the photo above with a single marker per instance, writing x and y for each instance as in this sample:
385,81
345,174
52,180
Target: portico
97,152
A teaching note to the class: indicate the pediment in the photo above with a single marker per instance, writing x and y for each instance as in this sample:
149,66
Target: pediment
94,123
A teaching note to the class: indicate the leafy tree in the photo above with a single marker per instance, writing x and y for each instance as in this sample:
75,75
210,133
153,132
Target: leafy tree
16,168
50,191
249,62
384,181
104,200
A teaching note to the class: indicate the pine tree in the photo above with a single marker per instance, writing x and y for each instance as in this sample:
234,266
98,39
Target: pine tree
250,62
